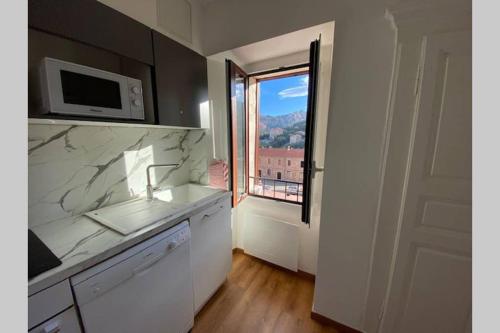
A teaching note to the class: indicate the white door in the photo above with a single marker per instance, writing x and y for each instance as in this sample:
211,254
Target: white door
431,281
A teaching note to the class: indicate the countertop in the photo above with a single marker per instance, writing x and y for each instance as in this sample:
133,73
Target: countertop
80,242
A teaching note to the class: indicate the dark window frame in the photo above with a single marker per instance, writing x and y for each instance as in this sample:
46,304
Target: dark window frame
305,70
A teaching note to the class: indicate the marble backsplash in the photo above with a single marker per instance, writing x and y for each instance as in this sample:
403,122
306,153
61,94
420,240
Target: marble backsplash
73,169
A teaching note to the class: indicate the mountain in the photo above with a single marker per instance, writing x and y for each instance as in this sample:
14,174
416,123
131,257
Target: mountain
283,131
281,121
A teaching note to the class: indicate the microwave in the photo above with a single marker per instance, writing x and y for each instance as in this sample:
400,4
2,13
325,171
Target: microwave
76,90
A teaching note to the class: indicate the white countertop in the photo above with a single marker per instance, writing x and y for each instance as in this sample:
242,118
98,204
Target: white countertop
80,242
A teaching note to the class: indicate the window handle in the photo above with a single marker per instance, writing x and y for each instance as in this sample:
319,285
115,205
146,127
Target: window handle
315,169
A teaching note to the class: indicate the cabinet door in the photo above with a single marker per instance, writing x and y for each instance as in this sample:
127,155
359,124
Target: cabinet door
65,322
93,23
48,302
181,82
211,250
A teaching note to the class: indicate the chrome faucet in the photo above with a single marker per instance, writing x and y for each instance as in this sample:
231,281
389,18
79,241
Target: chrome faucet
149,187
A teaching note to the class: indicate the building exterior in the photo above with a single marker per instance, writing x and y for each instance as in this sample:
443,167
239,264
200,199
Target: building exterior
280,163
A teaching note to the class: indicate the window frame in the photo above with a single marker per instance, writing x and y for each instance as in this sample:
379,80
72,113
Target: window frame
233,130
301,69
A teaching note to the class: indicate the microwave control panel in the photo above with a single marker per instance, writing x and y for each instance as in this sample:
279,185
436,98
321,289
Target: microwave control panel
136,99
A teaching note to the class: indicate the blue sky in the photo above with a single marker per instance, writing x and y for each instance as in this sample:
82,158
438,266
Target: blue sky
282,96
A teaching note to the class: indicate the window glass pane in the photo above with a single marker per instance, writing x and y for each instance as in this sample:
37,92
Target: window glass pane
280,151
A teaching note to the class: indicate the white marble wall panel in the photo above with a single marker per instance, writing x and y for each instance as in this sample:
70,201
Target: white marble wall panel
74,169
199,143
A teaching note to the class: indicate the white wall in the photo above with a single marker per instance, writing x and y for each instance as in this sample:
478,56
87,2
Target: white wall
145,11
228,24
356,129
363,58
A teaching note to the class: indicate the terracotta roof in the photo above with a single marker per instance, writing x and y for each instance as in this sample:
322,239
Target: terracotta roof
281,152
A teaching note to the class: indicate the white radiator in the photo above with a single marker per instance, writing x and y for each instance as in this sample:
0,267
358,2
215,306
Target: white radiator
270,238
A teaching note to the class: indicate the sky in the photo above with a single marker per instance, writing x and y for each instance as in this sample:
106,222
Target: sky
284,95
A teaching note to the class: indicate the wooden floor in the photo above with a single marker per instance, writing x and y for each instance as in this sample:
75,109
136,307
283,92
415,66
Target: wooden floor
258,297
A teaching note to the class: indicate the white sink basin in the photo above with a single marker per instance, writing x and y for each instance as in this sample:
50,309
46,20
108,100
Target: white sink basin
184,194
130,216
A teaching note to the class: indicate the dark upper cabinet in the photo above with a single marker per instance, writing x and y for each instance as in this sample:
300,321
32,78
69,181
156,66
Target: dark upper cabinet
91,22
42,44
181,82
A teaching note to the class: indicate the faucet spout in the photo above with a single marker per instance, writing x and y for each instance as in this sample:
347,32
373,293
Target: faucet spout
149,187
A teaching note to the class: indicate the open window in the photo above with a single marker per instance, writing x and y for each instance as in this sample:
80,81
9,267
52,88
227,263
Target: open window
280,112
271,126
237,83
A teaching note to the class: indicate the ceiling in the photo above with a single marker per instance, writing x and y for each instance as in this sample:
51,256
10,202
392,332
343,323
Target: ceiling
287,44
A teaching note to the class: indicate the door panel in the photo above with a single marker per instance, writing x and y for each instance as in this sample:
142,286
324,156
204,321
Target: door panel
431,283
431,295
451,141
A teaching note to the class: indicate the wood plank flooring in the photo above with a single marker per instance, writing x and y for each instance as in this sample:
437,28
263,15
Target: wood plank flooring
258,297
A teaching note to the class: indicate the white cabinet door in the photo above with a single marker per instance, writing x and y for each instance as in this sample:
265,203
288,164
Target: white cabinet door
49,302
211,250
430,286
65,322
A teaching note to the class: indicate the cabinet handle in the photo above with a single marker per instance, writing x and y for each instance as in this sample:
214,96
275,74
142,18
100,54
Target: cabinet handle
52,328
209,215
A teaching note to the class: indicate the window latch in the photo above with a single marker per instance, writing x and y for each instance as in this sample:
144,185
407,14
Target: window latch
315,169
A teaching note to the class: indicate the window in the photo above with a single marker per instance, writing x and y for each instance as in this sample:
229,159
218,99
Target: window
260,173
280,118
272,117
237,87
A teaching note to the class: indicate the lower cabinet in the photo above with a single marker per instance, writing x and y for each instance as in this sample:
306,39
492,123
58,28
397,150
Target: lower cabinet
52,310
211,250
65,322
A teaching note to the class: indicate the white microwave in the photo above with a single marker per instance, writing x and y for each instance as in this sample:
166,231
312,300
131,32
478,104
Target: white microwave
72,89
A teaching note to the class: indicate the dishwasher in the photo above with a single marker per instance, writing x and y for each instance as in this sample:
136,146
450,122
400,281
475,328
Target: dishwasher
147,288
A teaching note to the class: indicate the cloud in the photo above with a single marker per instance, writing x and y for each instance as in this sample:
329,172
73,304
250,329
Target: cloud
293,92
298,91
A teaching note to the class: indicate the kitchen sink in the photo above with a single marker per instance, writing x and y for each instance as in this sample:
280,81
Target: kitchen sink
132,215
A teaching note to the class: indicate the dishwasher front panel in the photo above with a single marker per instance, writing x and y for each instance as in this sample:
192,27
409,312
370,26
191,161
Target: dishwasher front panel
150,291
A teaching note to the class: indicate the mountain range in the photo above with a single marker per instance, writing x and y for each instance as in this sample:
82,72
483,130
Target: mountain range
282,121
